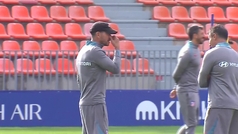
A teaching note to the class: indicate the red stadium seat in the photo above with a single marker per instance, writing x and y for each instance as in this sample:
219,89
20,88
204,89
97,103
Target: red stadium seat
234,46
218,12
6,66
13,2
128,48
69,48
46,1
36,31
162,14
221,2
234,2
109,50
64,66
32,48
12,48
207,28
232,13
205,45
44,66
167,2
77,13
232,29
143,66
74,31
199,14
203,2
25,66
82,43
177,30
126,67
191,24
86,29
148,2
185,2
5,15
180,13
3,33
51,48
59,14
96,13
55,31
40,14
16,30
88,2
65,1
21,14
115,27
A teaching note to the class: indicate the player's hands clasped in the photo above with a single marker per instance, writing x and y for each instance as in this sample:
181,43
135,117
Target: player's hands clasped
172,94
115,42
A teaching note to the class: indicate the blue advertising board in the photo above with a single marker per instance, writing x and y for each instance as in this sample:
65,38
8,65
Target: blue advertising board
60,108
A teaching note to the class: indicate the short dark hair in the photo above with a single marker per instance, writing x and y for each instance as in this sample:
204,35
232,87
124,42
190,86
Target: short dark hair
220,30
193,30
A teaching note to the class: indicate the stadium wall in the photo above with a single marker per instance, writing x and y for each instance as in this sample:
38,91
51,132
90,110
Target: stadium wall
60,108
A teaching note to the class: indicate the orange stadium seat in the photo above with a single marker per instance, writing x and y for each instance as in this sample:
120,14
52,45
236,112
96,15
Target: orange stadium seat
44,66
221,2
13,2
16,30
205,45
199,14
88,2
207,28
86,29
51,48
11,48
177,30
69,48
126,67
3,33
232,29
234,2
191,24
149,2
74,31
115,27
55,31
109,50
162,14
180,13
25,66
32,48
232,14
46,1
65,1
218,12
6,66
203,2
5,15
185,2
234,46
40,14
64,66
127,48
36,31
143,66
96,13
77,13
59,14
82,43
166,2
21,13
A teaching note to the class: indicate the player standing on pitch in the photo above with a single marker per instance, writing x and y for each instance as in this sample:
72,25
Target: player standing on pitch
219,73
185,76
92,64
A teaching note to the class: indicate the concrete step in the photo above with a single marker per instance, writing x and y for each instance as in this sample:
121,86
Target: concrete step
123,6
152,41
141,32
114,1
128,15
136,23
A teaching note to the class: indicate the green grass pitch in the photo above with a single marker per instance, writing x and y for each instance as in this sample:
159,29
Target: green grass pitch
112,130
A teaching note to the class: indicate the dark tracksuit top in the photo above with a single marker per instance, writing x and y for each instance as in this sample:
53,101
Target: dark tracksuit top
219,73
92,64
186,71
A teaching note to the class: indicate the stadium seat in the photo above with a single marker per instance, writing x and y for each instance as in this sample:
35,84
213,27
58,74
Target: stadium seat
51,48
205,45
109,50
191,24
63,2
234,2
74,31
12,2
162,14
82,43
218,12
185,2
21,14
126,67
64,66
25,2
36,31
115,27
232,29
203,2
221,2
3,33
96,13
148,2
77,13
86,29
127,48
25,66
80,2
166,2
207,28
6,66
5,15
40,14
199,14
46,1
59,14
12,48
17,31
234,46
143,66
232,13
44,66
32,49
177,30
55,31
180,13
69,48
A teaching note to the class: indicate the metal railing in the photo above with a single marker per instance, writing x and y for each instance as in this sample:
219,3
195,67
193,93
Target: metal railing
55,70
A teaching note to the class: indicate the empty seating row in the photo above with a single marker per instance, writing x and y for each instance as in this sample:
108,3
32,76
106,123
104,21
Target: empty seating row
51,30
190,2
46,2
196,14
57,13
65,66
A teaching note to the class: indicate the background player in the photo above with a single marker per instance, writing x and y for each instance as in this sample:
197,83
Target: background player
92,64
185,76
219,72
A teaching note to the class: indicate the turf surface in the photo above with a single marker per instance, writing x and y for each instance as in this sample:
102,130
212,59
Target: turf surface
112,130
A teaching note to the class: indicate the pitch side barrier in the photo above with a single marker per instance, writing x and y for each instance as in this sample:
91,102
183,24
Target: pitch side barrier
60,108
